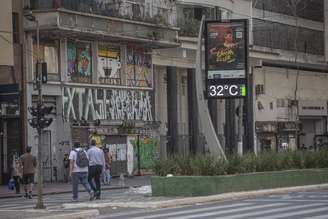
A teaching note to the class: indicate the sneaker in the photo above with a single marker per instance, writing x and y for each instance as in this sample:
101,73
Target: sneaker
97,197
92,196
75,200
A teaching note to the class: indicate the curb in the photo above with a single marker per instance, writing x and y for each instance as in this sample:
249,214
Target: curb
194,200
82,214
69,191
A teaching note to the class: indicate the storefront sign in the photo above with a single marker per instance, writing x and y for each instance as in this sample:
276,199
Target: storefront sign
313,108
226,58
106,104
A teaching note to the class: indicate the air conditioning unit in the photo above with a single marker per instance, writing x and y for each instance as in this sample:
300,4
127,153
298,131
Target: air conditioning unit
259,89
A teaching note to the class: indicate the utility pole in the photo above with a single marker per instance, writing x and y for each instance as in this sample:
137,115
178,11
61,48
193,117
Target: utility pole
39,121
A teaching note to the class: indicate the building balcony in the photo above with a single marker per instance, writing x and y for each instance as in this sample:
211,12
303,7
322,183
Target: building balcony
130,21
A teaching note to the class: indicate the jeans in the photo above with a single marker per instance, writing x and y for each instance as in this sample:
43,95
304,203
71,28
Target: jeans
95,174
17,180
107,176
80,177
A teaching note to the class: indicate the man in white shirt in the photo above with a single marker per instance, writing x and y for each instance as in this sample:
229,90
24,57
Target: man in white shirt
78,173
96,167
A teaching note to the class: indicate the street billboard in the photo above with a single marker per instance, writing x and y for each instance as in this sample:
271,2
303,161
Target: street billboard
226,53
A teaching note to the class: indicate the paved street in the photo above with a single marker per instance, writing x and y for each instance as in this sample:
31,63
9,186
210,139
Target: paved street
300,205
295,205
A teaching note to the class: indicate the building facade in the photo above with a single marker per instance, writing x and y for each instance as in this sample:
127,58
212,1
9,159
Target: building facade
287,71
100,77
11,85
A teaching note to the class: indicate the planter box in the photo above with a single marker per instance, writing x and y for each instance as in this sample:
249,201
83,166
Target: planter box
210,185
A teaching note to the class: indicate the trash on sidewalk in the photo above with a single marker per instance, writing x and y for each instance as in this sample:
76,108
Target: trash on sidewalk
140,190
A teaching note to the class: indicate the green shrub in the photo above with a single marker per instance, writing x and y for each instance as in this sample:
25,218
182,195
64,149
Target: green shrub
235,164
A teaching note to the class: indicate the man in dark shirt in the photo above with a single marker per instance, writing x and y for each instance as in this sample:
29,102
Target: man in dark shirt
28,162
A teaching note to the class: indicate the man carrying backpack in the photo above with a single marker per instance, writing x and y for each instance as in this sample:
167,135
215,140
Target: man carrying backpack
79,163
96,167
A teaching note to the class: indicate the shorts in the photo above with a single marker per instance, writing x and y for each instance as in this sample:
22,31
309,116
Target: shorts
28,178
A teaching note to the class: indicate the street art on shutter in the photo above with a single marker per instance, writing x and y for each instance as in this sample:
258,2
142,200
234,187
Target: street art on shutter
90,104
149,150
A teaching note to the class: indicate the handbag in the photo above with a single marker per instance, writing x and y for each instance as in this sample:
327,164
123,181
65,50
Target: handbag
11,184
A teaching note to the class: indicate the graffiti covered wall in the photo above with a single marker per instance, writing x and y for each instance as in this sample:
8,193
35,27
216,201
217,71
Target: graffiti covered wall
149,150
111,104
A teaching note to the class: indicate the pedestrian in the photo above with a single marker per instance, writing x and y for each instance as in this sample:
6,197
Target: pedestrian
96,167
108,161
66,167
28,162
16,173
78,170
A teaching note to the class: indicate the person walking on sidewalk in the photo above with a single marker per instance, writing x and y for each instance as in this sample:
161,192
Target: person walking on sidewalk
28,162
108,160
17,173
96,167
78,170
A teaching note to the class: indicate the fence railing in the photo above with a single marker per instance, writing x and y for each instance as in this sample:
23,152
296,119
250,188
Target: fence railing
133,10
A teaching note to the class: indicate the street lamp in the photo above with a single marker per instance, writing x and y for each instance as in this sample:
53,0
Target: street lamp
29,16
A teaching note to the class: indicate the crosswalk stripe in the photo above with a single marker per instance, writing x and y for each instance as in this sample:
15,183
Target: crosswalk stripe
207,209
258,208
291,200
158,211
276,210
317,217
316,210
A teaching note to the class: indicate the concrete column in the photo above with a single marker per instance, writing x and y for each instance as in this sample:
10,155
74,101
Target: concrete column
325,11
192,111
172,110
213,109
230,126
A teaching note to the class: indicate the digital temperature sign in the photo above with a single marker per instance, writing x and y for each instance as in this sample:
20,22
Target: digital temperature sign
226,55
218,89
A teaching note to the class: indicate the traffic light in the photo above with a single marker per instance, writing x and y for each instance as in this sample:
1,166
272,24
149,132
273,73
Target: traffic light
42,72
39,119
44,111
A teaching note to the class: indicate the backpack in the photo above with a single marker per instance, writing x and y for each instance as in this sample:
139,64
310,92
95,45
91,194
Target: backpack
81,159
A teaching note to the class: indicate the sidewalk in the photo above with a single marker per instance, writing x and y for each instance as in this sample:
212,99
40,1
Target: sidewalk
58,188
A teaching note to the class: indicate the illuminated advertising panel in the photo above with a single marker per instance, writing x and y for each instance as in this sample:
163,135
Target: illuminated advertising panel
226,59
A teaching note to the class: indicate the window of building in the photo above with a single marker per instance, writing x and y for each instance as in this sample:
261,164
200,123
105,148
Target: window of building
312,10
79,61
49,53
281,36
15,20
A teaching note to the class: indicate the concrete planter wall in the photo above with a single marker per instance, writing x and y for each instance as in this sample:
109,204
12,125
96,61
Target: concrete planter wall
210,185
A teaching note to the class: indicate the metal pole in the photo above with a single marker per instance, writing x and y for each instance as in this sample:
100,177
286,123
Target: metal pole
138,145
240,128
39,204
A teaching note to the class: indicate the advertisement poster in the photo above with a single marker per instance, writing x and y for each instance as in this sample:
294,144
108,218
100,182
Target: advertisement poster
109,65
79,62
139,68
225,50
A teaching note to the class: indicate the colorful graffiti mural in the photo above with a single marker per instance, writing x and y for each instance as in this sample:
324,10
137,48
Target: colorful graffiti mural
109,65
139,68
149,151
79,62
